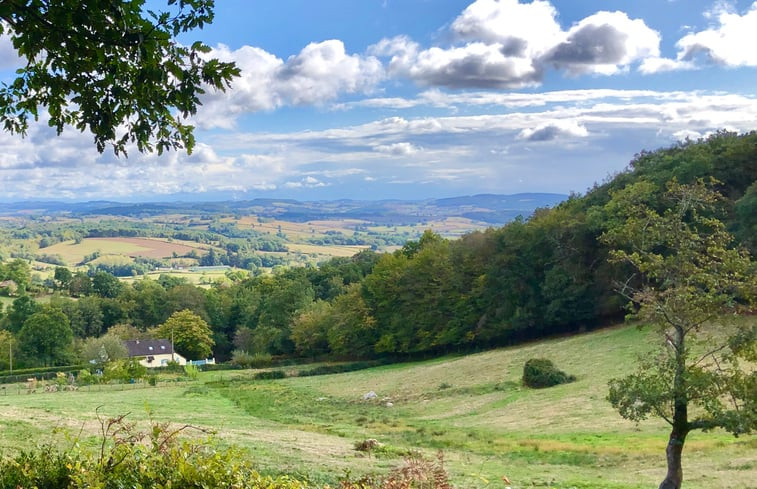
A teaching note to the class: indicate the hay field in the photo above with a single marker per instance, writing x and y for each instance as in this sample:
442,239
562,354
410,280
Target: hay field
471,407
73,253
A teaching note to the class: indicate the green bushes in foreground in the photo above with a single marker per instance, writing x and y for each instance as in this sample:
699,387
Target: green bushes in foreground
157,458
134,459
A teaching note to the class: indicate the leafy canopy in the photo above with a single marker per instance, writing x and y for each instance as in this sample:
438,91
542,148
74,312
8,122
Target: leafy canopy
688,279
690,284
191,334
113,68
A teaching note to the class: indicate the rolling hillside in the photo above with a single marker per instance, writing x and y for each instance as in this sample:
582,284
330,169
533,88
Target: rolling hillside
472,407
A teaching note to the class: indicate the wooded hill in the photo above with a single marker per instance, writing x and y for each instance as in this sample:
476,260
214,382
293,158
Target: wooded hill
535,277
543,276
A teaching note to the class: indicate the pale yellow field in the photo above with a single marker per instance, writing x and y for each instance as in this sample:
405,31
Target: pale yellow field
339,251
73,253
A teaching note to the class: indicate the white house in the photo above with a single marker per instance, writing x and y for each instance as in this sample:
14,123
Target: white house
153,353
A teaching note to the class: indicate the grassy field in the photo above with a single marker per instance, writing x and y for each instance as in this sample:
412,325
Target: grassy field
73,253
472,407
192,277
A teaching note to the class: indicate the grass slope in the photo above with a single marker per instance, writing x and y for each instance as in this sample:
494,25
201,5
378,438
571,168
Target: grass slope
471,407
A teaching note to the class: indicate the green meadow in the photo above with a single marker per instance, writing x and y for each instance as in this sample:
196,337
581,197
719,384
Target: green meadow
472,408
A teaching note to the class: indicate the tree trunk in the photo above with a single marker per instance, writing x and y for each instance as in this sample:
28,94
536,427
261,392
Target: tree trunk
673,452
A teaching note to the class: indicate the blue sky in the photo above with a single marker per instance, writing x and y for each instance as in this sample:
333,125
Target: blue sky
376,99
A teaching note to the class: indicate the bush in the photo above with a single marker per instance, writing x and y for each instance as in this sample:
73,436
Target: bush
85,377
540,372
191,371
246,360
124,370
339,368
270,375
155,458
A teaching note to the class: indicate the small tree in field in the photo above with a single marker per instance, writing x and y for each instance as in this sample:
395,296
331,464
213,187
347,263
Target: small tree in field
690,285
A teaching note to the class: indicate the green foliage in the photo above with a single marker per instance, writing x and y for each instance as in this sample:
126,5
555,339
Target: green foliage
191,371
126,332
80,285
62,277
352,331
124,370
46,338
103,349
270,375
545,275
191,334
7,343
692,284
338,368
247,360
19,271
106,285
539,373
129,458
85,377
85,314
310,329
22,309
114,69
44,467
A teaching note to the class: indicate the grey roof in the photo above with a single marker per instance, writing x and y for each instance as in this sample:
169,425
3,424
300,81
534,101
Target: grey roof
143,348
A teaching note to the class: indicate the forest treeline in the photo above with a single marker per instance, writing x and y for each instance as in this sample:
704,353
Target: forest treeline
545,275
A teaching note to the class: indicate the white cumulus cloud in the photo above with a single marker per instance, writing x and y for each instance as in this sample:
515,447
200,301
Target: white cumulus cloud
605,43
505,44
731,42
522,29
321,72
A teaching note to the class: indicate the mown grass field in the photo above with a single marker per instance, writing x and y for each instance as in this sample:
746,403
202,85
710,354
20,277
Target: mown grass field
73,253
472,407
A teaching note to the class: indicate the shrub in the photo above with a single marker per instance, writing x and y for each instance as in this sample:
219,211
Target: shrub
191,371
128,458
260,360
85,377
246,360
339,368
124,370
540,372
270,375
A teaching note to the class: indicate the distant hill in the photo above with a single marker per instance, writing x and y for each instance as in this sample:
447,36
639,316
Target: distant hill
491,209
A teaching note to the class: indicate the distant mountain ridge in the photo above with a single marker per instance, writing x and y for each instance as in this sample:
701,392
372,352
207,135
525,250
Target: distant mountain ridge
493,209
